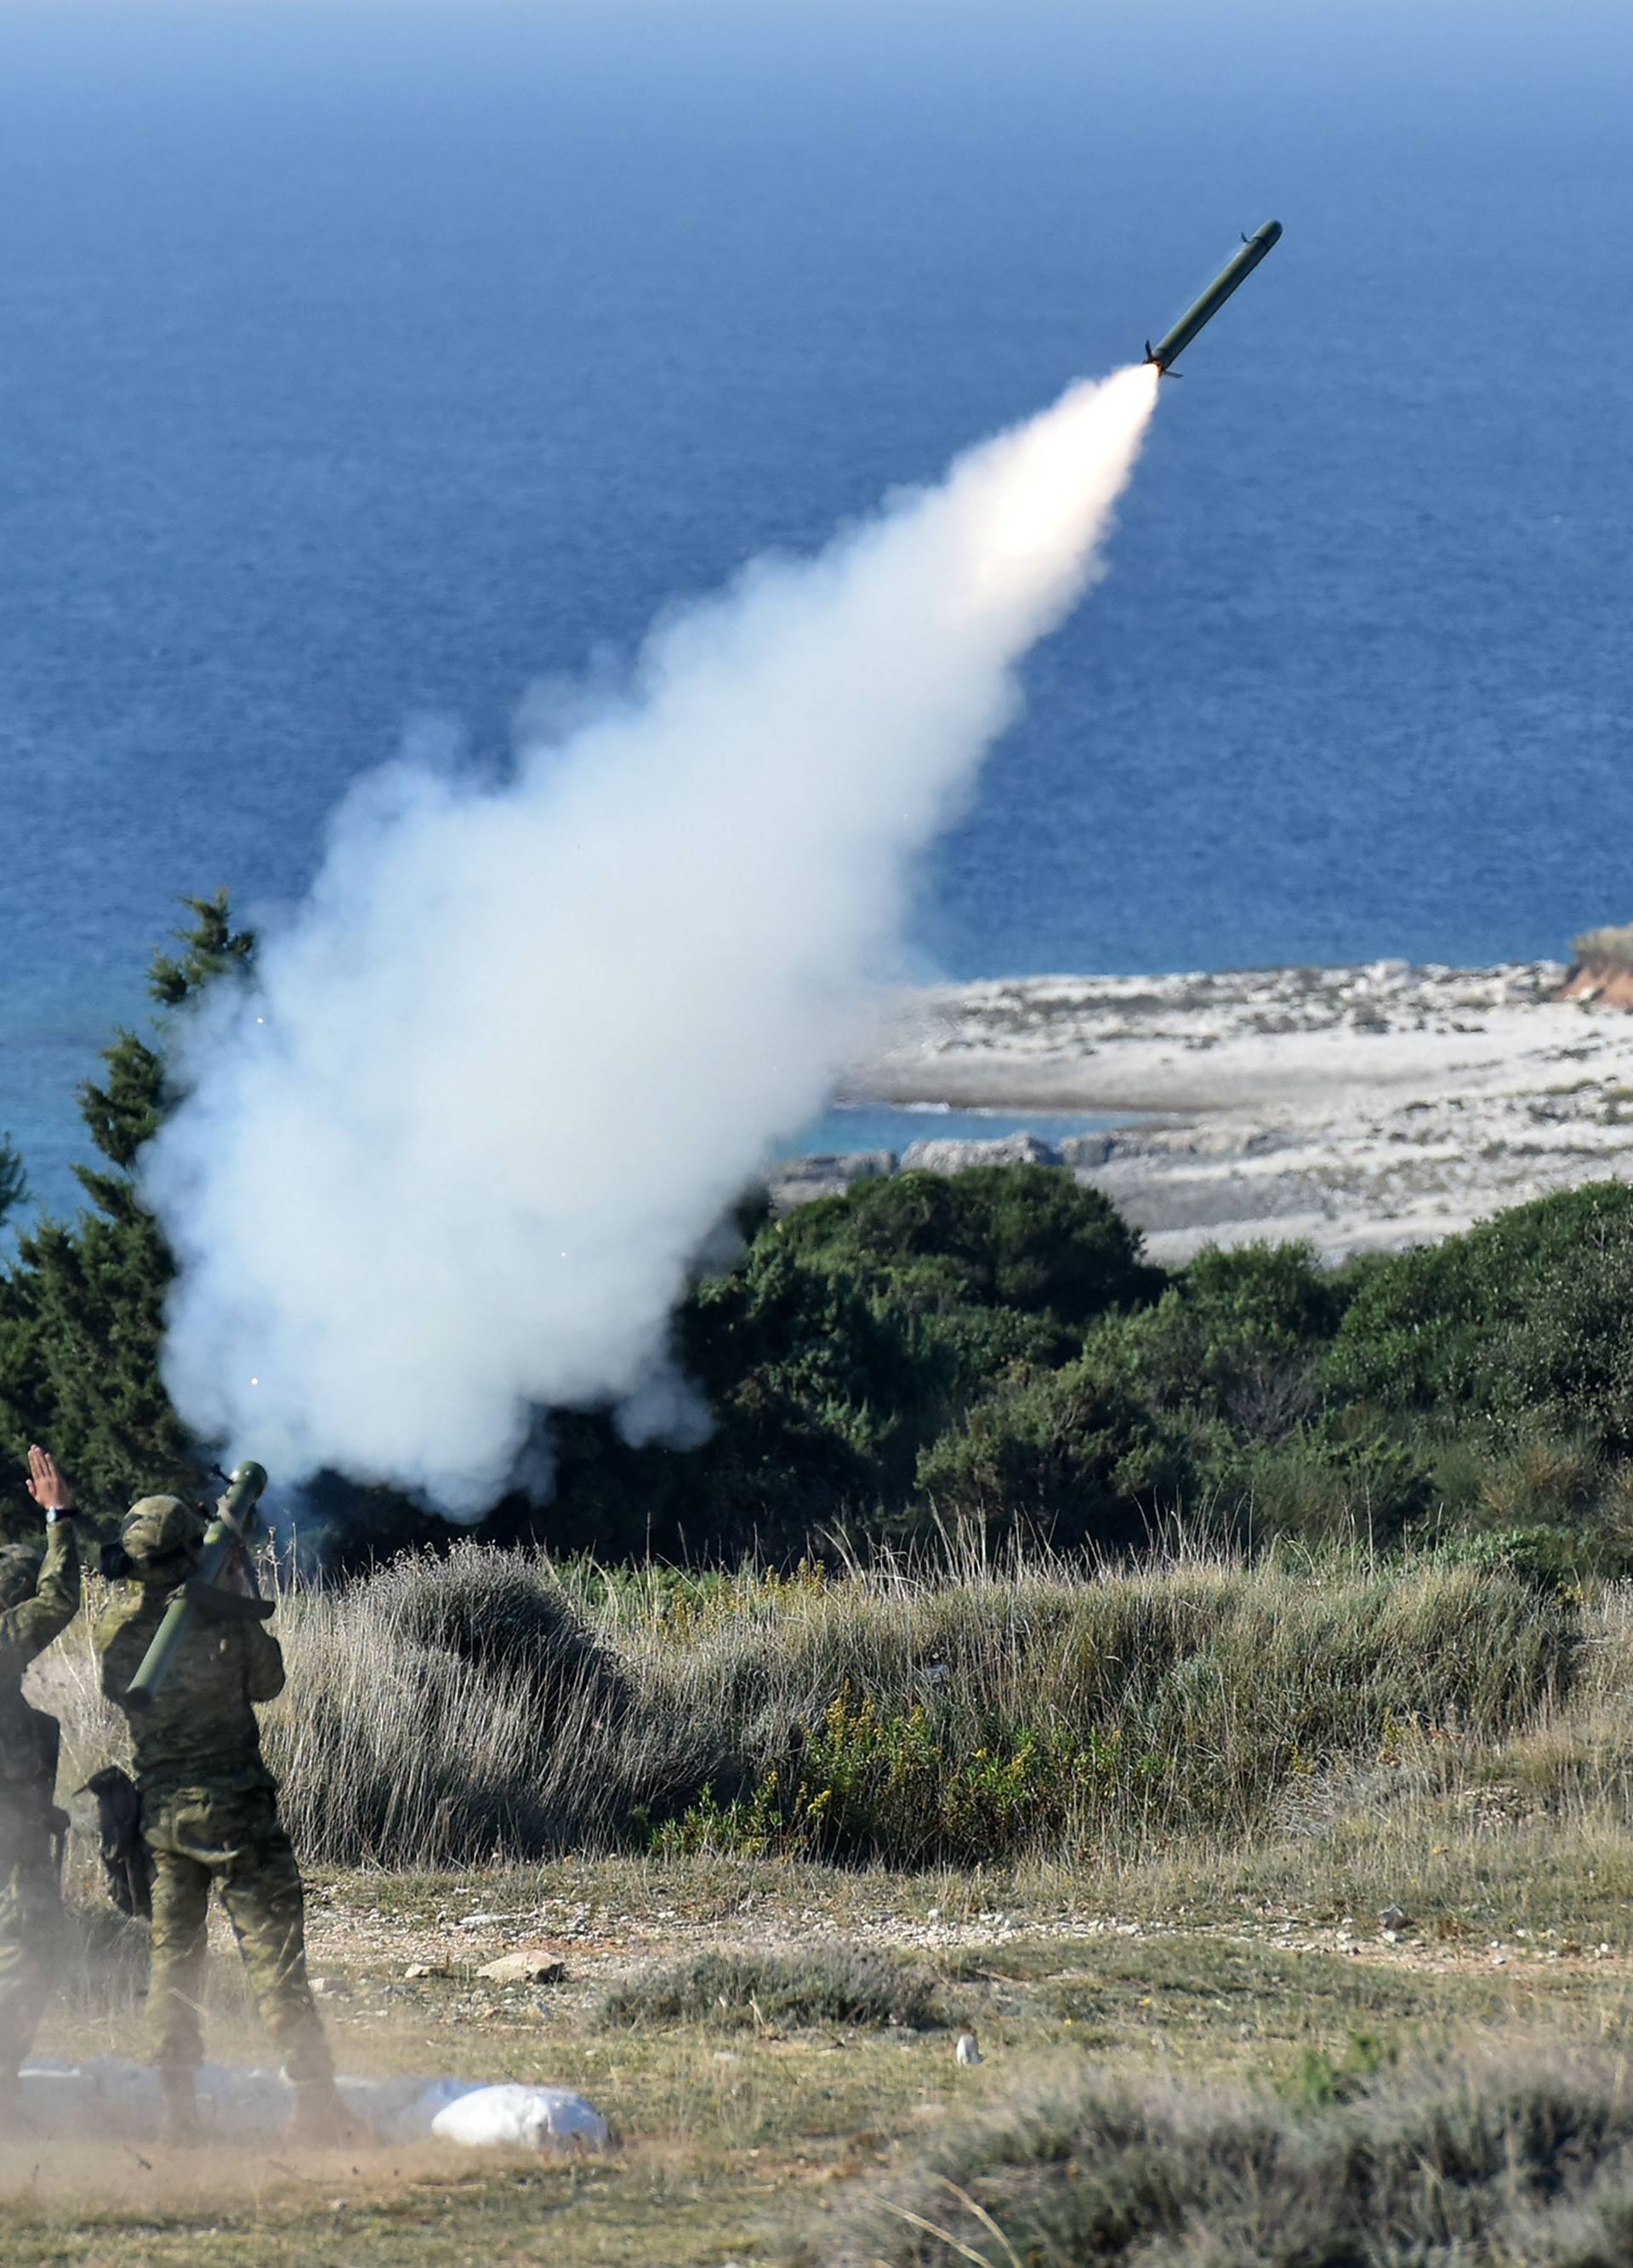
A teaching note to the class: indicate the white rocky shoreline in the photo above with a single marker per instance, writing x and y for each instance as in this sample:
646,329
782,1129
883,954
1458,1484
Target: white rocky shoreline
1362,1108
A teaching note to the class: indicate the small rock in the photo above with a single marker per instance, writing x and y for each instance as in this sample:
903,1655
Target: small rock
967,2049
953,1157
330,1988
424,1969
1081,1152
524,1968
1395,1917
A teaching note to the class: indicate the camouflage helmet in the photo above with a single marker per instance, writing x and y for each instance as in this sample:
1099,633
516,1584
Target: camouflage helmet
161,1527
19,1573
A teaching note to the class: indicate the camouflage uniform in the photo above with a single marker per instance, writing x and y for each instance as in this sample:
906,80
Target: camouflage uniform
209,1814
31,1897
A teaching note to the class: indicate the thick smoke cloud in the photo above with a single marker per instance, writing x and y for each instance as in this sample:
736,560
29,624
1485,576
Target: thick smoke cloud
449,1160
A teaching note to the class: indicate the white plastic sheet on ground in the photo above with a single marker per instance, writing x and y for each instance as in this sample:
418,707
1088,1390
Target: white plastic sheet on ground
113,2095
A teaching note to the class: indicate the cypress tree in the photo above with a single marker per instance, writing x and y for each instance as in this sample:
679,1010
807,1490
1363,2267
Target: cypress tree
82,1308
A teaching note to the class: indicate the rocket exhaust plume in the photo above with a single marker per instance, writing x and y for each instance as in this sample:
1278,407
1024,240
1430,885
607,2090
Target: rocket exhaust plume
449,1160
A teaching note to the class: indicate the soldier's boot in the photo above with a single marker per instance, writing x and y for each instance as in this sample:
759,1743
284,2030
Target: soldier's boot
321,2120
179,2125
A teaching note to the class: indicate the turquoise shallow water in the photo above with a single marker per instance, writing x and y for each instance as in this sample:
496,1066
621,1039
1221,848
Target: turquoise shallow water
366,365
882,1126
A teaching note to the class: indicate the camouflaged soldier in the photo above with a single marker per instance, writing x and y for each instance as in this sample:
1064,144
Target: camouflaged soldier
39,1598
210,1815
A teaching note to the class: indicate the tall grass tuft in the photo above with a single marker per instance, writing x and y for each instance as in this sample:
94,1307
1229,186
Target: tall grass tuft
1526,2160
443,1710
826,1984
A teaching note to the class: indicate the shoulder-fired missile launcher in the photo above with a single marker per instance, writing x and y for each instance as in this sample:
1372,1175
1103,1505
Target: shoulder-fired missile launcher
203,1593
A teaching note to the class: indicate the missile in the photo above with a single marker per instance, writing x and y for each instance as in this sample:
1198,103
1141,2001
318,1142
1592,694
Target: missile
1253,249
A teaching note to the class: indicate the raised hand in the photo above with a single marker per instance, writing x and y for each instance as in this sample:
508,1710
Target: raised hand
46,1484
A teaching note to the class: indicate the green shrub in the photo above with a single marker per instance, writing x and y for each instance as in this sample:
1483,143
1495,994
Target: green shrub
989,1713
901,1790
1343,1478
1528,1316
1551,1558
1008,1717
1067,1455
1238,1336
1323,2079
827,1985
1025,1237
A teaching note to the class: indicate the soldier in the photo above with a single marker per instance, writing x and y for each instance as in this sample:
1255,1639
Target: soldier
210,1815
38,1600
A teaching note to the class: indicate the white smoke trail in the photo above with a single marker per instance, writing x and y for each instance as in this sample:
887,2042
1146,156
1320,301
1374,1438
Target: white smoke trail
451,1160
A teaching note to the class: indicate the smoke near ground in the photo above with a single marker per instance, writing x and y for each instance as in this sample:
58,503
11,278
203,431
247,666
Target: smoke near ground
450,1160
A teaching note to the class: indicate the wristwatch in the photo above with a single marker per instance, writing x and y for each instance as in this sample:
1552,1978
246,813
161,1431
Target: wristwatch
56,1511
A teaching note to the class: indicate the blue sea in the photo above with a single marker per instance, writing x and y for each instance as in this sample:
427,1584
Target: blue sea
362,365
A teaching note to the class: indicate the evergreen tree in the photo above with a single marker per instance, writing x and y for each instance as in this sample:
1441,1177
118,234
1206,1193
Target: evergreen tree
82,1309
13,1180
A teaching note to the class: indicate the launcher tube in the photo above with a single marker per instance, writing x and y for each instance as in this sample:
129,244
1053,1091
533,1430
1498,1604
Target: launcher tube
227,1533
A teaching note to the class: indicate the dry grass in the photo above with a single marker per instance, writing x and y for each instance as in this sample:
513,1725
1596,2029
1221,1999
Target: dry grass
445,1711
1524,2159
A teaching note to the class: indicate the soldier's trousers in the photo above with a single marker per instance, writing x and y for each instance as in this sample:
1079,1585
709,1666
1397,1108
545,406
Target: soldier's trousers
31,1928
230,1838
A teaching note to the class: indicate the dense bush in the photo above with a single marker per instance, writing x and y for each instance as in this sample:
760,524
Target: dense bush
887,1362
984,1717
498,1612
1017,1237
865,1786
1527,1316
1238,1336
1068,1455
